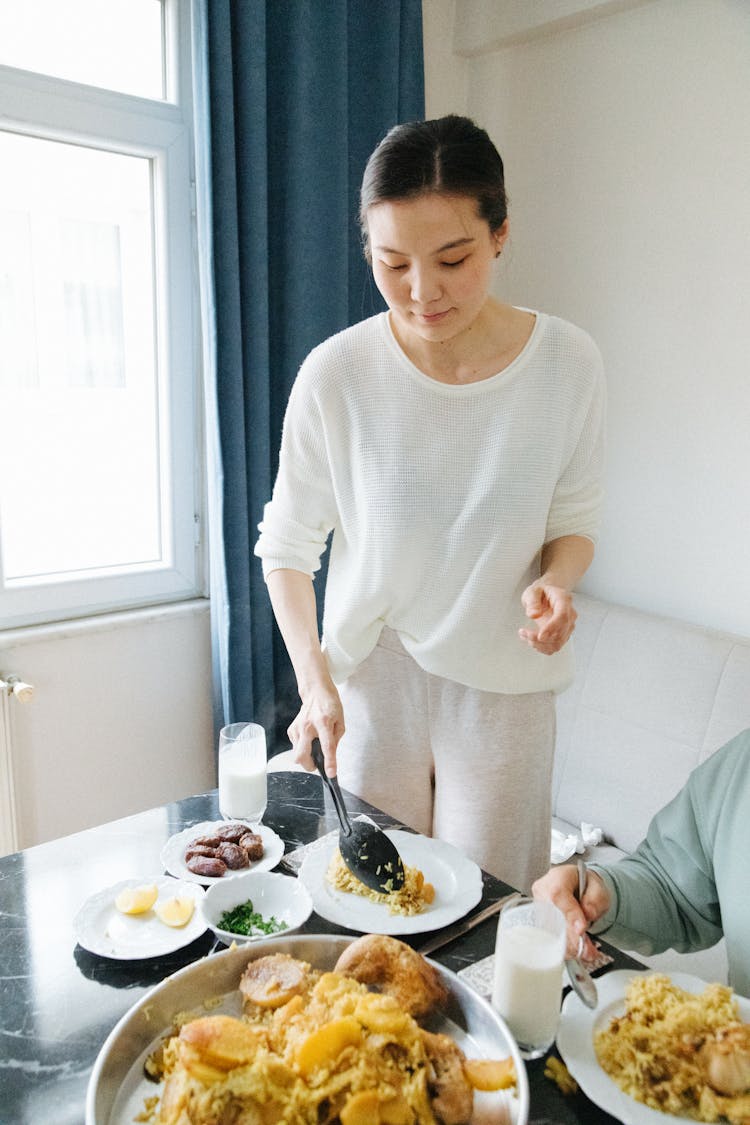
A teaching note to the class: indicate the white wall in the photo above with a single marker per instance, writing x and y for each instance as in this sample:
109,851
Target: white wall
120,720
625,139
446,73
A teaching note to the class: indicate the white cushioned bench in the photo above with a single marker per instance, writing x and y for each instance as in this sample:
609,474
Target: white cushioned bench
652,699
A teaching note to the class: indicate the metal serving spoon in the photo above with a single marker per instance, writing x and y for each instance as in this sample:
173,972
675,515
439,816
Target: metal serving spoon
365,849
580,977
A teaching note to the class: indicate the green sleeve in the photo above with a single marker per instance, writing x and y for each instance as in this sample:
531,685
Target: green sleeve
664,895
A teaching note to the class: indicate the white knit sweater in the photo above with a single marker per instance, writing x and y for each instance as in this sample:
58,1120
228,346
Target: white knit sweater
440,497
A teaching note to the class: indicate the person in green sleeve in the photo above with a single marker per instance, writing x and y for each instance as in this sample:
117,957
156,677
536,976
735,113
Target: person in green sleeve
686,885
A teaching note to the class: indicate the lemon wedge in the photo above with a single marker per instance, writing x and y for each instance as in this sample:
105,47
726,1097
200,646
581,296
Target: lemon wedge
175,911
137,900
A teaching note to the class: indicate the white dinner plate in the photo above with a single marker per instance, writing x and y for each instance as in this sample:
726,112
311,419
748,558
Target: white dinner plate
456,878
575,1042
101,928
173,853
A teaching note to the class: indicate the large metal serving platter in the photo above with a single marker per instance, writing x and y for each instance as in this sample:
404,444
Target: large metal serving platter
117,1087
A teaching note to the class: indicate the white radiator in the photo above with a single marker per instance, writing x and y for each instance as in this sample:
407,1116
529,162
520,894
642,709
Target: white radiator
12,692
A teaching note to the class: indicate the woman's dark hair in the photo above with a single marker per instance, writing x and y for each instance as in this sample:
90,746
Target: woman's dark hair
450,155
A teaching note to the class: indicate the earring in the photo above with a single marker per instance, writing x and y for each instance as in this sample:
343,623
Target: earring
499,252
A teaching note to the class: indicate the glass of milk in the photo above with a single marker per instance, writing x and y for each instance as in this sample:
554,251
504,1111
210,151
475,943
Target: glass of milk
527,986
243,791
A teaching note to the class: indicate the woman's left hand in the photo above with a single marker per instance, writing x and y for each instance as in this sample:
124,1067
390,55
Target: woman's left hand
552,609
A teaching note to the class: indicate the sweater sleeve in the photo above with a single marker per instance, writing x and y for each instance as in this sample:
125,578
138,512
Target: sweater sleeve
664,895
302,511
577,499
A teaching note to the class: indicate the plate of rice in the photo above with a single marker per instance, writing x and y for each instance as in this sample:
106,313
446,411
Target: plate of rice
640,1055
441,885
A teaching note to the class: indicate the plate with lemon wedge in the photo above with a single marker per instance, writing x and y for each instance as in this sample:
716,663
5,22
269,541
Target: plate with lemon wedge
140,918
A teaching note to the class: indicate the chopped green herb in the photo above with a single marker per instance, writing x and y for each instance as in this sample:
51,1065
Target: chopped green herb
245,920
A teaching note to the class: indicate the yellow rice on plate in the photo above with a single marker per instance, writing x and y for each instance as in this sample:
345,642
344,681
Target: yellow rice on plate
410,899
652,1049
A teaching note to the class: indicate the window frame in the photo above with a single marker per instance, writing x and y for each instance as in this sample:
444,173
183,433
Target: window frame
162,132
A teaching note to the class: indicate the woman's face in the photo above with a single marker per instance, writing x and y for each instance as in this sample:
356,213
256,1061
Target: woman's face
432,262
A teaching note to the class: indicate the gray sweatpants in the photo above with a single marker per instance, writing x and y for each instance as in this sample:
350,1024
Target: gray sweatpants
473,768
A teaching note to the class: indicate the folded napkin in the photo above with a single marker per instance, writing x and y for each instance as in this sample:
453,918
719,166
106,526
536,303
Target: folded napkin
563,847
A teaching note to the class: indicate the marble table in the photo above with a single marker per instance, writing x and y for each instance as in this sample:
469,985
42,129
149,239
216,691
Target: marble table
58,1002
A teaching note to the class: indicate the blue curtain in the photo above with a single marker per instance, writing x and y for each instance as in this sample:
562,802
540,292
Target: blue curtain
300,92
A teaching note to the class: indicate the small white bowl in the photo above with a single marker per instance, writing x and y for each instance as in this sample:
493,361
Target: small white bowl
282,896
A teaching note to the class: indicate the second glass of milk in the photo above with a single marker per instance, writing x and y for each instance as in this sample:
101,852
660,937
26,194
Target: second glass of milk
527,986
243,791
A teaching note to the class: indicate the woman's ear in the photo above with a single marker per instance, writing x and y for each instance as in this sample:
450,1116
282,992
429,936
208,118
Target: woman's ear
499,237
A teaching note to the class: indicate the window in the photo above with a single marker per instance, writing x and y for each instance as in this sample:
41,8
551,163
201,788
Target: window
99,439
115,44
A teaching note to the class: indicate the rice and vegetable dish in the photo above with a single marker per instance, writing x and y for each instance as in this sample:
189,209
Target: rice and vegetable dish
412,898
681,1053
319,1048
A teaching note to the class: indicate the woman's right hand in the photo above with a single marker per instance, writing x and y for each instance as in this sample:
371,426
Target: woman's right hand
560,886
320,716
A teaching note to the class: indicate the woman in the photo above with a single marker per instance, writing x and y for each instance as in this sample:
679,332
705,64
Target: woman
453,445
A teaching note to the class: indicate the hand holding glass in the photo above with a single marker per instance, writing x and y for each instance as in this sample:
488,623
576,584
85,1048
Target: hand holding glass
243,792
528,972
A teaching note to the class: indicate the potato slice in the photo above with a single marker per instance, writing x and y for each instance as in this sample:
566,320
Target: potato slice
218,1042
395,1111
490,1074
381,1014
362,1108
325,1044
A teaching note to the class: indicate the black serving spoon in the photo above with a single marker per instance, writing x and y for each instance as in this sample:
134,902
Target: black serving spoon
365,849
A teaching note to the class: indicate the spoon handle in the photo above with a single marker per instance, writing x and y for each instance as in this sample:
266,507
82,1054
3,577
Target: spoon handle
580,977
333,786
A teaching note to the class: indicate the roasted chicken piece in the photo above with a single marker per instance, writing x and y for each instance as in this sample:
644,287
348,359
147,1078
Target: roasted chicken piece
452,1094
726,1059
393,967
